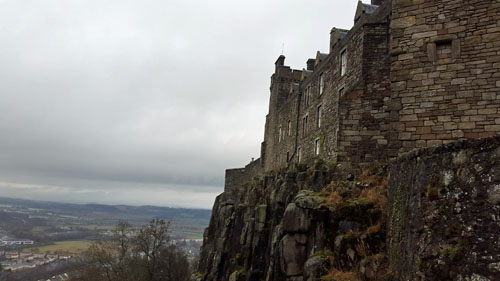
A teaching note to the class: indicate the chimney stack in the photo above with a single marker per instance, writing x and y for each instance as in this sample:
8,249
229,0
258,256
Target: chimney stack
280,61
310,64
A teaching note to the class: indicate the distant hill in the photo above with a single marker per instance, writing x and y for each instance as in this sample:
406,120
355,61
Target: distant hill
182,218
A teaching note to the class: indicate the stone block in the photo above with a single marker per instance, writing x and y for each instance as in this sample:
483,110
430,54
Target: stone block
450,126
458,81
466,125
403,22
492,128
487,111
425,34
434,142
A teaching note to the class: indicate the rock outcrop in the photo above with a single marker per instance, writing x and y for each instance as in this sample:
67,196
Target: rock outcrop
289,226
440,222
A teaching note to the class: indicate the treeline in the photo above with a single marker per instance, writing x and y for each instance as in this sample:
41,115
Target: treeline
144,255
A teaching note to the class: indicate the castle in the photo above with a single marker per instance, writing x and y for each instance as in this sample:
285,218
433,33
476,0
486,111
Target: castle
409,74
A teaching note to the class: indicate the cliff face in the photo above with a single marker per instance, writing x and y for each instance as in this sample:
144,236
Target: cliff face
442,221
297,225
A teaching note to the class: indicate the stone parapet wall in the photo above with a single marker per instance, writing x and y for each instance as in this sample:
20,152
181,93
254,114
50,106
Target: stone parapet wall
235,177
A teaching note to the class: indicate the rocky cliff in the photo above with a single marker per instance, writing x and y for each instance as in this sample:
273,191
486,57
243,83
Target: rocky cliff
441,221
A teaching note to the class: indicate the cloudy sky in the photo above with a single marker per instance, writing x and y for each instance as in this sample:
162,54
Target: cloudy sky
143,102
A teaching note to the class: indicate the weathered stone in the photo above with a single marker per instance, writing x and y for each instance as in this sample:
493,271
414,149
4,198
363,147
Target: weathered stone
296,219
315,267
494,194
308,200
439,187
260,217
293,254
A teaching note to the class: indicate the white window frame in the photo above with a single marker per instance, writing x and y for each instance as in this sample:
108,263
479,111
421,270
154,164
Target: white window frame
317,146
343,62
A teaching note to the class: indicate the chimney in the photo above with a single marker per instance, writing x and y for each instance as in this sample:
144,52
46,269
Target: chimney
310,64
280,61
377,2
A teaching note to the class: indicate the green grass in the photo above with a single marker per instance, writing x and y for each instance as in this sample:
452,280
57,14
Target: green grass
96,227
71,247
193,234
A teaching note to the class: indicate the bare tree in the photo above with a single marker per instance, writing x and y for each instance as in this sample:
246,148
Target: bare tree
147,256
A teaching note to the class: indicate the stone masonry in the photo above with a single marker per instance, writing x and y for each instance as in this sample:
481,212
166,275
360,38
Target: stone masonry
408,74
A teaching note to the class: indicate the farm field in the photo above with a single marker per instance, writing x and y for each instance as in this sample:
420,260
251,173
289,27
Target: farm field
70,247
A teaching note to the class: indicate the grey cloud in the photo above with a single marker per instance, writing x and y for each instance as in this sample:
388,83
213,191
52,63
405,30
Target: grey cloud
158,95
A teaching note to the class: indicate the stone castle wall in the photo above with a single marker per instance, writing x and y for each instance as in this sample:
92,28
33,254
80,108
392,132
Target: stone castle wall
419,73
354,116
445,70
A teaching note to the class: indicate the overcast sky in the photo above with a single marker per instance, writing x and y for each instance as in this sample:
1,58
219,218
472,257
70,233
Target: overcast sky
143,102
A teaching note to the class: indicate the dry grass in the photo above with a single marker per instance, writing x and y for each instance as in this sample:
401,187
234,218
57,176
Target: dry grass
374,228
362,249
374,196
337,275
334,199
376,175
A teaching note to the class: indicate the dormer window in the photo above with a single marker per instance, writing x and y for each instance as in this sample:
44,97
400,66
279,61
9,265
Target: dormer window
343,62
321,84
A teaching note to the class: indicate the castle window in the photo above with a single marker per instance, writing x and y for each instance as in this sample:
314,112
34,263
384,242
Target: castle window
443,50
341,91
299,153
279,134
288,156
343,62
316,146
321,84
289,127
319,112
307,96
304,125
